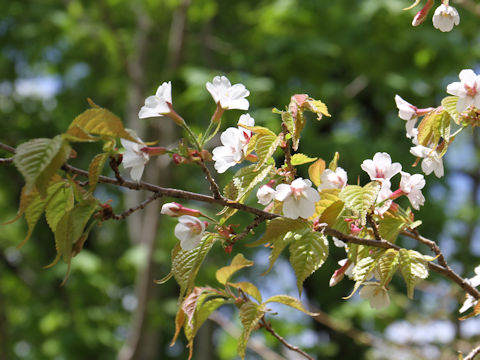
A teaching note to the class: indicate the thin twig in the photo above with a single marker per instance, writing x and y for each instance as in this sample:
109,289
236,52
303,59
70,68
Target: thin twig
432,245
140,206
269,328
7,148
374,227
288,156
471,355
6,161
257,221
114,162
213,185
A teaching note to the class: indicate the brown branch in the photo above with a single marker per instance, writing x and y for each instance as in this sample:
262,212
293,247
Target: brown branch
432,245
288,155
182,194
213,185
114,163
6,161
472,354
374,227
269,328
7,148
140,206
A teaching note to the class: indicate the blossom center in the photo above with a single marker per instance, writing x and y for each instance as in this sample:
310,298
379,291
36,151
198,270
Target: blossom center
297,193
471,90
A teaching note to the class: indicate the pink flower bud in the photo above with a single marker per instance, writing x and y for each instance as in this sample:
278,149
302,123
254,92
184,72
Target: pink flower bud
422,14
152,151
175,209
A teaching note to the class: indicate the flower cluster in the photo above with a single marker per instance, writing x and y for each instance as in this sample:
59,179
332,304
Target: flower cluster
444,17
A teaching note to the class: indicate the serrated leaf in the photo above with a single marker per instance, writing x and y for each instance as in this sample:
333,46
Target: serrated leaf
95,169
414,269
224,273
60,203
315,171
307,253
449,103
364,267
258,130
317,107
359,199
265,147
247,288
387,265
327,198
99,121
277,248
250,315
290,301
36,208
300,159
186,263
435,124
39,159
390,226
277,229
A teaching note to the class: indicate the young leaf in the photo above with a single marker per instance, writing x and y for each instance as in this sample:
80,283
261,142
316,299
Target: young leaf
327,198
250,315
315,171
365,265
95,169
359,199
278,228
333,164
331,215
99,121
265,147
317,107
186,263
247,288
414,269
289,301
390,226
277,248
307,253
39,159
387,265
300,159
433,125
239,262
60,203
449,103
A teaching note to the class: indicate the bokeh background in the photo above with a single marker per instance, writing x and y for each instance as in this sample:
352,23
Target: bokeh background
353,55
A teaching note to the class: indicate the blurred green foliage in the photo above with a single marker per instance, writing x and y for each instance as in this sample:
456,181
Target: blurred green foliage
353,55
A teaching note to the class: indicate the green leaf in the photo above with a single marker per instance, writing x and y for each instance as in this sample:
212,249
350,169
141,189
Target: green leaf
387,265
307,253
239,262
250,315
95,169
186,263
36,208
289,301
39,159
99,121
333,164
247,288
433,126
390,226
414,269
60,203
278,228
359,199
265,147
315,171
331,215
449,103
365,265
317,107
327,198
300,159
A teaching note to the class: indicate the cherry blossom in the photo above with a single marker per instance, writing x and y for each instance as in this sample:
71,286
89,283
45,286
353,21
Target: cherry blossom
158,104
470,300
234,145
383,198
265,194
134,158
407,112
298,198
228,96
381,167
333,179
175,209
411,186
445,17
376,294
189,231
467,90
432,162
345,269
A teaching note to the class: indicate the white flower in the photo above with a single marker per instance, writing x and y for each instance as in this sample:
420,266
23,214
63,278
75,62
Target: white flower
298,198
134,157
235,143
333,179
228,96
411,185
445,17
475,281
407,112
376,294
468,303
383,198
189,231
170,209
337,242
431,160
467,90
265,194
381,167
158,104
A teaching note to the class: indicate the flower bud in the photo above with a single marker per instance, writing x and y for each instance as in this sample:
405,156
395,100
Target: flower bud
422,14
175,209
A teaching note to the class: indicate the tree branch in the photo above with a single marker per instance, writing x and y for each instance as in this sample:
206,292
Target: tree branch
472,354
140,206
213,185
269,328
